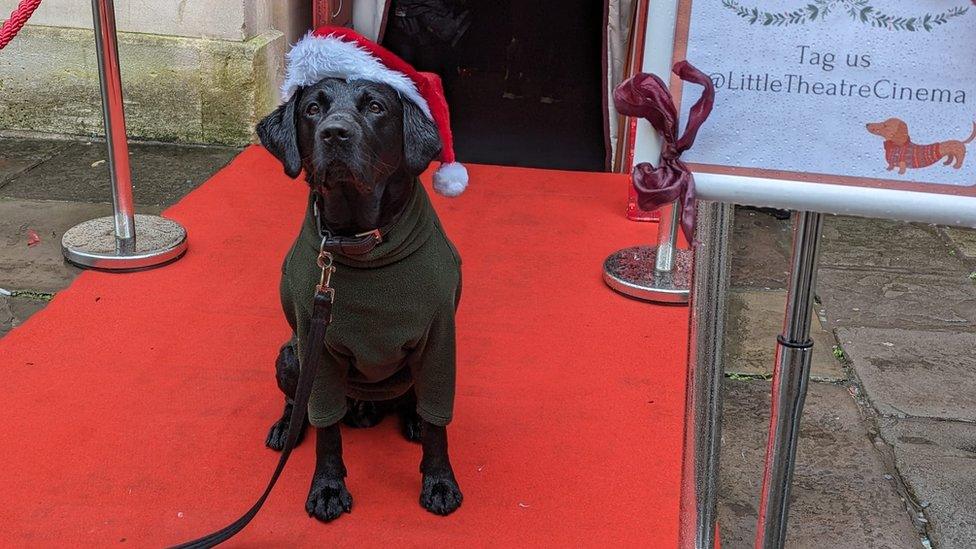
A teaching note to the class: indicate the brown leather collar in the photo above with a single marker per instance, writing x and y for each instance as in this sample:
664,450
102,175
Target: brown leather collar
360,244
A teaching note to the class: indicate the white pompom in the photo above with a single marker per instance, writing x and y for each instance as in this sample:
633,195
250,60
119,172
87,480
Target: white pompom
451,179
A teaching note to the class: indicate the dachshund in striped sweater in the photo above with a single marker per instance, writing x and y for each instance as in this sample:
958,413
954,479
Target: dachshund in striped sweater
901,152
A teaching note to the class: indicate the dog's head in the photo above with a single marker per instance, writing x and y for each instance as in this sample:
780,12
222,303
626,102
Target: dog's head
353,140
892,129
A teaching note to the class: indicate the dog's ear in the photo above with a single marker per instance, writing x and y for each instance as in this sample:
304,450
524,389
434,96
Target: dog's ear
278,134
900,131
421,142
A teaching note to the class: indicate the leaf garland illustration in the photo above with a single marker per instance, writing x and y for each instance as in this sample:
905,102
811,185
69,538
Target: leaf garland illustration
859,10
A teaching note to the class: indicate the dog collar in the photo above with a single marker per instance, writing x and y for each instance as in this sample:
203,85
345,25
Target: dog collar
360,244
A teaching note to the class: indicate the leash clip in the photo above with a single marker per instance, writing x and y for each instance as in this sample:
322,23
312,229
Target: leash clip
326,263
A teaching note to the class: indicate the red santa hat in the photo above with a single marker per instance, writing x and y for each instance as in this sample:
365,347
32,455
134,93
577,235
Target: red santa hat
338,52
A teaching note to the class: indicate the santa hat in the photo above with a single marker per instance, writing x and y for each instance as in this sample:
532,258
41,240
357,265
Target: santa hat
338,52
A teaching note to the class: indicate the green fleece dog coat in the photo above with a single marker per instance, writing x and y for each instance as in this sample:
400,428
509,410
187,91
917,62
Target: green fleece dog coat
393,318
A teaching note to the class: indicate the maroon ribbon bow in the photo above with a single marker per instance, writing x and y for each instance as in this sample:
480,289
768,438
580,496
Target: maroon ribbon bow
646,96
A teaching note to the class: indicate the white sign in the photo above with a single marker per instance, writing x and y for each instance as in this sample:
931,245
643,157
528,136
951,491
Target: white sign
867,93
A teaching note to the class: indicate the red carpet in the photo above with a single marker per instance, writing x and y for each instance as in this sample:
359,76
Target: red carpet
135,406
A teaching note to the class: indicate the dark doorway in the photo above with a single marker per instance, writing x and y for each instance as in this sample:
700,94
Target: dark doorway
523,78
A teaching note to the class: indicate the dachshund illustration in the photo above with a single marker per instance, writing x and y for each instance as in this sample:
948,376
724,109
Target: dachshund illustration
901,152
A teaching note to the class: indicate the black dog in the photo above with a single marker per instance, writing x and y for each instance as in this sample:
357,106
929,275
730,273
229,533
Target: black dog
362,147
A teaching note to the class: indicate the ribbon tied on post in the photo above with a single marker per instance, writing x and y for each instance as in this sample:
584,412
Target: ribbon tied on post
646,96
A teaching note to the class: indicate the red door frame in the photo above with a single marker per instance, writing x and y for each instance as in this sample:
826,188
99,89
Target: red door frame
627,128
331,13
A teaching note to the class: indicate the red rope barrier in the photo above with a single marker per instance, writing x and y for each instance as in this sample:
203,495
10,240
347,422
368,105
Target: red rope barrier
20,15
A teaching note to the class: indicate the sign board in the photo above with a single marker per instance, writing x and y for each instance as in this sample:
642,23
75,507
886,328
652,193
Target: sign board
872,102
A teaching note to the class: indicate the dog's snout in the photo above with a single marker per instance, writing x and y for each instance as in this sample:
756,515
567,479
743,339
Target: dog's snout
335,131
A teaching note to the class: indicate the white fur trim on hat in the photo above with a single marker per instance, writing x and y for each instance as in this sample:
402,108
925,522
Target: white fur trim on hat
451,179
316,57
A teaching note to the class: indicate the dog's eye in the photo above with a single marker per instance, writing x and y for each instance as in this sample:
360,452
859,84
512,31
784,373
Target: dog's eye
375,107
312,109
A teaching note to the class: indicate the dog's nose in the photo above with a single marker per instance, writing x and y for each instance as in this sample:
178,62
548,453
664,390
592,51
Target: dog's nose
336,131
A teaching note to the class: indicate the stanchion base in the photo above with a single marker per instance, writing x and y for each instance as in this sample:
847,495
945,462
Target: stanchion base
631,272
92,244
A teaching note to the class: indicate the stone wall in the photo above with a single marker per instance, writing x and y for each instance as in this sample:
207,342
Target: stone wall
193,71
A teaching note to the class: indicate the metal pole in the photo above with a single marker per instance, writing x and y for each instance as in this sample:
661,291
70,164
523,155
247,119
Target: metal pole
111,243
790,376
703,389
667,238
113,111
660,273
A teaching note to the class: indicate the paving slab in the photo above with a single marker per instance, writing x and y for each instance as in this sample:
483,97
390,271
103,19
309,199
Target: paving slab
15,310
755,319
161,174
760,250
937,461
894,299
963,239
20,155
915,373
840,495
859,243
41,267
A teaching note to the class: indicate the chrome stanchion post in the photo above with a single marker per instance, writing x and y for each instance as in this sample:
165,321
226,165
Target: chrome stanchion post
790,376
113,112
660,273
667,238
703,389
124,241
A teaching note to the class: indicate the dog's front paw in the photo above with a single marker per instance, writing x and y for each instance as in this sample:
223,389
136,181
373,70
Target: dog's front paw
328,499
440,494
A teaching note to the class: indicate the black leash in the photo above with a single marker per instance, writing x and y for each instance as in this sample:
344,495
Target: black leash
321,318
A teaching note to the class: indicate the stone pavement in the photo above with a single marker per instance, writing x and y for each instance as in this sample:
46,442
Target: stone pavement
49,186
887,456
905,316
